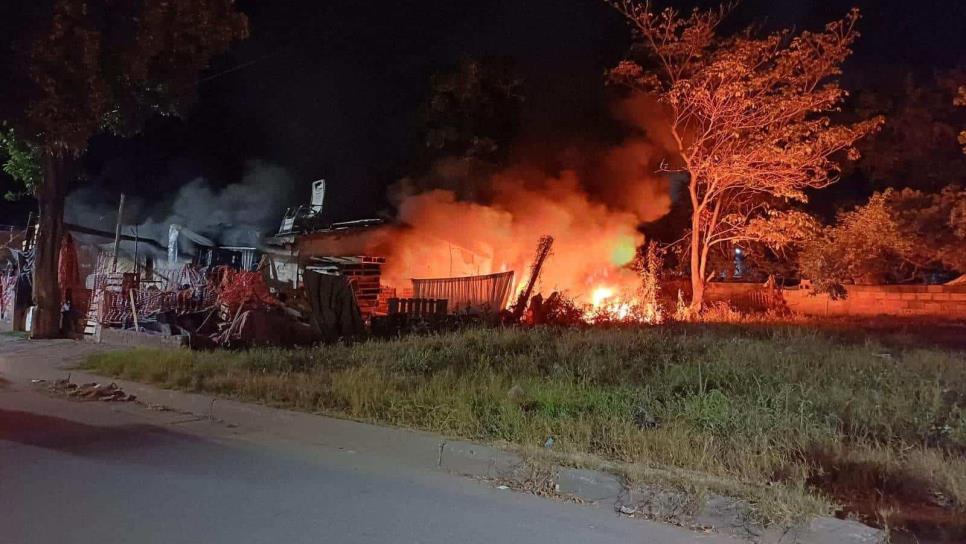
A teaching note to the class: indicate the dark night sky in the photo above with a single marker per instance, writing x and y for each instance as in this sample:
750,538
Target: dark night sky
335,85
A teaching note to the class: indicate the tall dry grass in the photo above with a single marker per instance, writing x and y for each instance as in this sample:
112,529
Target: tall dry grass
764,408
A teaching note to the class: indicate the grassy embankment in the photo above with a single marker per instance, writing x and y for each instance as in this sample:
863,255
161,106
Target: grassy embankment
775,415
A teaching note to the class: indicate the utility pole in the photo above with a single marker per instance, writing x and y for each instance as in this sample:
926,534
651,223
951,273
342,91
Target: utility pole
117,232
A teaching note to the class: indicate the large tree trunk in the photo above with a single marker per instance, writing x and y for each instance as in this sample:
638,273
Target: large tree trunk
50,230
697,270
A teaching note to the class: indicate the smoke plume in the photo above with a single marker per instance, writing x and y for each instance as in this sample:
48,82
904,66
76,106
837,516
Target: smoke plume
235,215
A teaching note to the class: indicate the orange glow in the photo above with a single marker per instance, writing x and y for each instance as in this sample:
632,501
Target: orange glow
442,236
451,223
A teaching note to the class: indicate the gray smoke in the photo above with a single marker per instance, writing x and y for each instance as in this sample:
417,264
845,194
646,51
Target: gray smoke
235,215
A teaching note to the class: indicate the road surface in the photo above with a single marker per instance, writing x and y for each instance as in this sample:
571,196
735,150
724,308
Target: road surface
100,473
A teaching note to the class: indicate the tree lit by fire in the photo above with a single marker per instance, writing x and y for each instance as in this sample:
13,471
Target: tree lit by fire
750,116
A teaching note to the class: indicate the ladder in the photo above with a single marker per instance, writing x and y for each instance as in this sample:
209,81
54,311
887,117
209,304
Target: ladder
102,283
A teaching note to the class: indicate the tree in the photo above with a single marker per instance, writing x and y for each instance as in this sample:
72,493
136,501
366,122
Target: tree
474,109
897,236
105,65
750,115
866,245
935,223
469,118
917,145
960,100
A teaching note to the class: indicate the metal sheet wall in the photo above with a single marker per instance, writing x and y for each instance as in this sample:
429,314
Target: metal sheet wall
486,293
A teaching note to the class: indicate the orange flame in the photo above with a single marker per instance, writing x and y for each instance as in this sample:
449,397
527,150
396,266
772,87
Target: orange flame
452,223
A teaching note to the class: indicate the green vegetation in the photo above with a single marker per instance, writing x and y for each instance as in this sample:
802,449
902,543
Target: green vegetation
20,161
764,413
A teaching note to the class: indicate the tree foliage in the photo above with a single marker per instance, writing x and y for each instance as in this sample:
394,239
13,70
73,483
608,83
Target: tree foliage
917,144
469,120
897,236
110,65
20,161
750,114
474,109
773,242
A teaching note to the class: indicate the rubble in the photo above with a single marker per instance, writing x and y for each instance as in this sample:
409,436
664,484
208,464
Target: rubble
210,307
87,391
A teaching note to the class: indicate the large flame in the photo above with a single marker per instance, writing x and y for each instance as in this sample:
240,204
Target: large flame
492,224
444,237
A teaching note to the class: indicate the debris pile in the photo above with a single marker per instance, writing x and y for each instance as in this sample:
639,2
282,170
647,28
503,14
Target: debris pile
556,309
246,314
210,307
239,289
87,391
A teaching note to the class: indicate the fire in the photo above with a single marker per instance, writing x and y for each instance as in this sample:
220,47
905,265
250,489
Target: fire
600,295
453,222
442,236
607,303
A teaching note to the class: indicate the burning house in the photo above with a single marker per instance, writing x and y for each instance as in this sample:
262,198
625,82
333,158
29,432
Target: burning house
356,251
203,251
441,256
311,280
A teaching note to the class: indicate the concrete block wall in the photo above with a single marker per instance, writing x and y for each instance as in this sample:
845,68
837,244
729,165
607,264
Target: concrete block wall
948,301
900,300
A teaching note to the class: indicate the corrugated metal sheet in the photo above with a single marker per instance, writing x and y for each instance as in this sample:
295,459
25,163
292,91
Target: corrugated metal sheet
482,293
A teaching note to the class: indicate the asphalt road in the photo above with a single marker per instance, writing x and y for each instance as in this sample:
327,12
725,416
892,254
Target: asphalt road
97,472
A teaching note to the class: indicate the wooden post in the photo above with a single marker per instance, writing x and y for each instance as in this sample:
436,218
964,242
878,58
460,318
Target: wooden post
134,310
117,232
28,232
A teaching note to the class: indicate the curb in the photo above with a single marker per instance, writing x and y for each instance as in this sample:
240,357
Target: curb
718,513
589,485
479,461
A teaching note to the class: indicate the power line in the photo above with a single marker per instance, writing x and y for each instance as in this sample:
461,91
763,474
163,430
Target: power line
233,69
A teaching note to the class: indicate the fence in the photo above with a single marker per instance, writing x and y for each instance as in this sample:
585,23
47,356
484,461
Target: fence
488,293
180,289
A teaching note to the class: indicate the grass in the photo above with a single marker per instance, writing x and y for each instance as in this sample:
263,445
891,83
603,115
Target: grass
765,413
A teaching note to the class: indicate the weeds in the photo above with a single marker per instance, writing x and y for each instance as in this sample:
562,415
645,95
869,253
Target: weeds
771,410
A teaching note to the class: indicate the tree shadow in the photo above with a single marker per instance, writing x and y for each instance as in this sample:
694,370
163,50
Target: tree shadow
77,438
144,445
